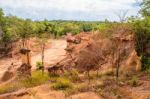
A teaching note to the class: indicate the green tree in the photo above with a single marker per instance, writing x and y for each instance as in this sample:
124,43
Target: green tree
2,19
142,35
145,8
86,27
7,38
26,32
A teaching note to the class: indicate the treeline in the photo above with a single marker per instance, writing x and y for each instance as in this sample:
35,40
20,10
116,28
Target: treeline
13,28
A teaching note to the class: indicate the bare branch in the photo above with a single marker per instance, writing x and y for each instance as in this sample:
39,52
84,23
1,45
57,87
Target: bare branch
122,15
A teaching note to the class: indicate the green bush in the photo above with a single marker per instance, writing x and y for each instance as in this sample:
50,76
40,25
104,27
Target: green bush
39,65
62,84
145,63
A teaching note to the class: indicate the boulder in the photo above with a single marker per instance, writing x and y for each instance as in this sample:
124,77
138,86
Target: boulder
24,70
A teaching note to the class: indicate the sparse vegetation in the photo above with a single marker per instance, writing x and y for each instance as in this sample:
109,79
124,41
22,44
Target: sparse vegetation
36,79
134,81
39,65
62,84
73,75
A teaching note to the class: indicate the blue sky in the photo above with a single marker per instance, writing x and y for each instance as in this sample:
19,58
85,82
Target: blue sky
86,10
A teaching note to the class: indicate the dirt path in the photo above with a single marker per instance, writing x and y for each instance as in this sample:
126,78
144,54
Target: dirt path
52,55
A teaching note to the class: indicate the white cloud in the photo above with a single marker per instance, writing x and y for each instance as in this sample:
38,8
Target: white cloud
72,8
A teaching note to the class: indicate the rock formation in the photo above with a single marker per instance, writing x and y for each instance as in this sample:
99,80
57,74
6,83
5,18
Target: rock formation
25,68
93,50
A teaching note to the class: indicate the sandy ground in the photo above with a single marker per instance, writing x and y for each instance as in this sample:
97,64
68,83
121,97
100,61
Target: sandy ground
44,92
52,56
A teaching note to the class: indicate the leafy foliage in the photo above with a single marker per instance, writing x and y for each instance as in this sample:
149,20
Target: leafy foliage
39,65
145,63
142,37
145,8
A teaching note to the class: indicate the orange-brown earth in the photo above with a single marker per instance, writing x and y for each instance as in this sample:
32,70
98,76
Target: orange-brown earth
53,54
111,90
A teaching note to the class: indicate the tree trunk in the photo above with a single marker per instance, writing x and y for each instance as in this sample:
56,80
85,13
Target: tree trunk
88,75
118,65
43,49
23,43
97,73
117,71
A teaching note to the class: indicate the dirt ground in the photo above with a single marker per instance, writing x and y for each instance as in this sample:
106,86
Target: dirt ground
56,53
52,55
44,92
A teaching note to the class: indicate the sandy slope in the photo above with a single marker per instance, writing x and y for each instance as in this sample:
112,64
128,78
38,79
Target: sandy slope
52,55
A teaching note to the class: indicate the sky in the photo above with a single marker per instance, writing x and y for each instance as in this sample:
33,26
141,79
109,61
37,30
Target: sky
85,10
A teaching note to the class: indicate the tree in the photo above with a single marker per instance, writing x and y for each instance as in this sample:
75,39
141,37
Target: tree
7,36
119,51
1,22
2,18
26,31
42,42
142,37
145,8
122,15
86,27
116,55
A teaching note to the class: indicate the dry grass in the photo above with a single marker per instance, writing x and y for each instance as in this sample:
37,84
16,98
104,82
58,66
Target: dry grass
62,84
36,79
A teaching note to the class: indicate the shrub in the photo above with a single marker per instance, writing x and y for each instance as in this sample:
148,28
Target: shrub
53,77
62,84
73,75
39,65
145,63
109,73
134,81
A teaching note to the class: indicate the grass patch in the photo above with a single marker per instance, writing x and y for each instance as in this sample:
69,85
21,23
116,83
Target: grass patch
73,75
36,79
9,88
77,88
62,84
